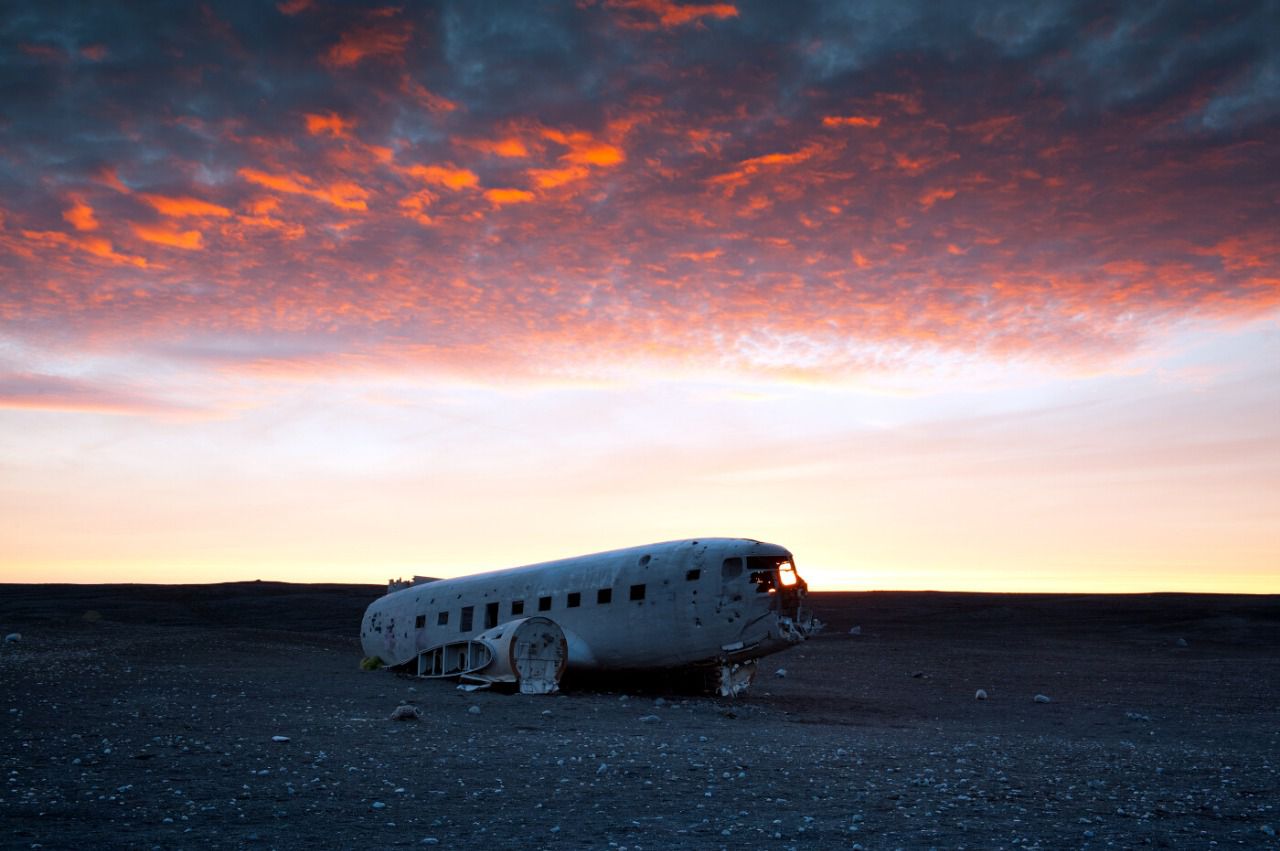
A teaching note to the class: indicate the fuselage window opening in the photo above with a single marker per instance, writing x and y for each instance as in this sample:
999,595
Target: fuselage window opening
637,592
490,615
731,569
544,604
693,575
442,619
420,621
574,600
603,596
464,622
517,607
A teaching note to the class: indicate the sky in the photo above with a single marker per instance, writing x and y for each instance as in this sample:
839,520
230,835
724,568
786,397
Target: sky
969,296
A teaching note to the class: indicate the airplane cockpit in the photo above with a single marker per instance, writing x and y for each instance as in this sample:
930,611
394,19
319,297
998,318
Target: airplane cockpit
773,573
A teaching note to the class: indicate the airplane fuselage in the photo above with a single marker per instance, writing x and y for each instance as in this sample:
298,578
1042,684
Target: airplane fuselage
658,606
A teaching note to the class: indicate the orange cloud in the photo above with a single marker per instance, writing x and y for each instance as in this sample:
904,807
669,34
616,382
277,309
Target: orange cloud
415,206
448,176
190,240
378,42
109,177
549,178
670,14
331,123
80,216
262,208
185,206
511,147
754,165
933,196
585,149
851,121
293,7
426,98
988,130
508,196
92,245
344,194
700,256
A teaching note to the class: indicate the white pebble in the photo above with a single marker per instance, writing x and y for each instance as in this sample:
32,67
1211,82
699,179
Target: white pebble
279,738
13,637
1041,698
781,673
980,694
473,709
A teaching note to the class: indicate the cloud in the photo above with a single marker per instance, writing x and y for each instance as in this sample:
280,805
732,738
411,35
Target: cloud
504,196
185,207
80,215
329,123
189,240
95,246
649,14
344,194
818,191
448,176
382,40
851,121
34,391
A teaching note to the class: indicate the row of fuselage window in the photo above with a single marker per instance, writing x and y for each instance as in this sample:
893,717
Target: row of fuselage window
573,600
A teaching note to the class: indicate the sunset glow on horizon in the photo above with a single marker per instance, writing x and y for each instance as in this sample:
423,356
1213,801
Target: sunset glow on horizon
976,298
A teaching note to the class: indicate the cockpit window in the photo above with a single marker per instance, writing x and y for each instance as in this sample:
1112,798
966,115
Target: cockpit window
768,572
787,574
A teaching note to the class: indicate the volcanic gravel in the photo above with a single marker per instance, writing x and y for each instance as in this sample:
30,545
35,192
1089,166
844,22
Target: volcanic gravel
151,717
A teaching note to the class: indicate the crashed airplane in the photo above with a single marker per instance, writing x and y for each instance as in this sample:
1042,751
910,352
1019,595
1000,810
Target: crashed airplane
715,604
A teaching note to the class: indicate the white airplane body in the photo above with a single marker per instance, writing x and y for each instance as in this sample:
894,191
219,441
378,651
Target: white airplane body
715,602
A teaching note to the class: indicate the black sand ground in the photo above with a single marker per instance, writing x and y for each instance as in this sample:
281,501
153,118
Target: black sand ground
143,717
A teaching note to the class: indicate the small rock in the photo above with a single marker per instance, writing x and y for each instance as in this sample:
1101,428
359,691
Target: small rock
378,805
649,719
602,769
662,701
279,738
1181,642
430,840
13,638
917,675
473,709
405,712
856,630
546,712
781,673
1041,698
980,694
1268,830
1137,716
